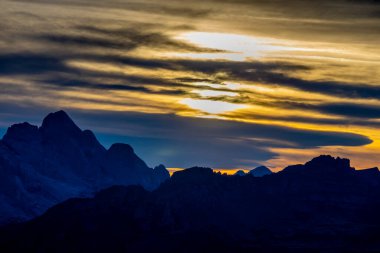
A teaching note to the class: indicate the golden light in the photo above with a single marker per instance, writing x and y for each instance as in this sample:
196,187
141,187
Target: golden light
213,107
223,171
237,47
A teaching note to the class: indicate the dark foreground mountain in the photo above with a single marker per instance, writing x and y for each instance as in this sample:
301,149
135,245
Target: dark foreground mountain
42,166
322,206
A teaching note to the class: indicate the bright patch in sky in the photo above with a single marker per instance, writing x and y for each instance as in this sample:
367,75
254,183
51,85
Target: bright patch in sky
236,47
213,107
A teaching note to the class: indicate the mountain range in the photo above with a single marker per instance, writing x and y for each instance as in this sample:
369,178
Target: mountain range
256,172
109,200
42,166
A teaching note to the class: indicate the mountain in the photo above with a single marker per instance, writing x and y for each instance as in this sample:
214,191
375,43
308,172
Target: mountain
260,171
321,206
42,166
240,173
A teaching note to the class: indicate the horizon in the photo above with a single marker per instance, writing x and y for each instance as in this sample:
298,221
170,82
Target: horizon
223,84
171,170
230,171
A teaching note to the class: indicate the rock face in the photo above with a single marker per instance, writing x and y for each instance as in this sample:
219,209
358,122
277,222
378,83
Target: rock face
260,171
42,166
321,206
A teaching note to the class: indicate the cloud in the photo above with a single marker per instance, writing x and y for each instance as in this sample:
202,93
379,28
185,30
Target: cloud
323,9
55,73
349,110
172,8
344,121
120,56
179,141
82,41
121,38
184,141
20,63
265,73
268,74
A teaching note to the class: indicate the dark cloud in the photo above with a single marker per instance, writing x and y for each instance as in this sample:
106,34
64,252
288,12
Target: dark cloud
179,139
53,71
83,41
322,9
267,73
109,85
346,121
337,89
163,8
350,110
350,113
125,39
26,63
130,38
262,72
248,71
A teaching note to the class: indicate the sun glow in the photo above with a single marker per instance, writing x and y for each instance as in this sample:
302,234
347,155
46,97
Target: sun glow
236,47
209,106
216,170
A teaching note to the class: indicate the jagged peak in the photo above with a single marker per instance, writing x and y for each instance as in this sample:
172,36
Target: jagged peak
323,163
21,131
327,161
59,122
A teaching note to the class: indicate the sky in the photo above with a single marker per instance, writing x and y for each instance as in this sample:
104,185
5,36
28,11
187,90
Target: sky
225,84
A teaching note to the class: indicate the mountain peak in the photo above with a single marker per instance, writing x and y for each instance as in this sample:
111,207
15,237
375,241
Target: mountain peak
160,167
240,173
121,149
324,164
327,161
21,132
260,171
59,122
161,173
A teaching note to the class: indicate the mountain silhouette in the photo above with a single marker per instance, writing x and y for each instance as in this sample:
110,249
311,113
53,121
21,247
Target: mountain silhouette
324,205
260,171
240,173
42,166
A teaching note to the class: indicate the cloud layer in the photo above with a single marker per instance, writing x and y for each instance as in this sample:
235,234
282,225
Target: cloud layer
295,75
